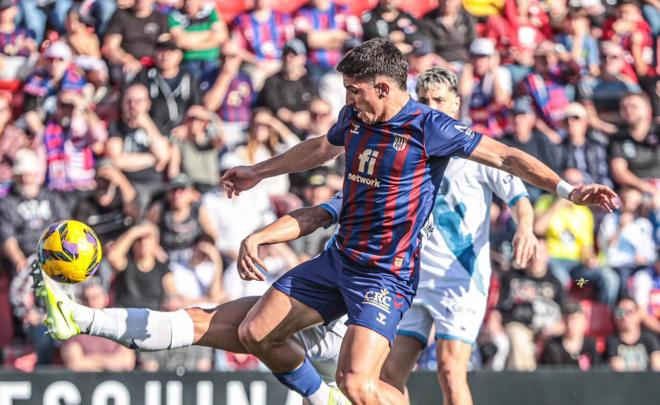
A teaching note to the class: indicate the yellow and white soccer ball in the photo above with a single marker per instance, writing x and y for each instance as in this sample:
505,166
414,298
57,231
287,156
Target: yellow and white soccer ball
69,251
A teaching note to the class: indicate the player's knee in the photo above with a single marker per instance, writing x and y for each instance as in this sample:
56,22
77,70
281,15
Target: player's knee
358,389
393,375
249,337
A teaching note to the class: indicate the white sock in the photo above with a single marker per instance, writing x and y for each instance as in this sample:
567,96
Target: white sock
321,396
137,328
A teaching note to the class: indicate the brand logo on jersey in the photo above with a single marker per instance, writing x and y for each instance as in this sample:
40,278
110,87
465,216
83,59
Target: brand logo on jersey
466,130
380,299
400,142
382,318
355,128
367,161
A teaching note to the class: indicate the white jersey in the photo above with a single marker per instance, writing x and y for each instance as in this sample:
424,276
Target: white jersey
458,249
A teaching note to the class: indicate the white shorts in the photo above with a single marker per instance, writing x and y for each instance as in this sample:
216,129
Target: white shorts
322,345
456,312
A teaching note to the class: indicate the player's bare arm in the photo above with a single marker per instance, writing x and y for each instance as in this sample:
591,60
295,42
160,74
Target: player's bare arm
525,244
495,154
292,226
304,156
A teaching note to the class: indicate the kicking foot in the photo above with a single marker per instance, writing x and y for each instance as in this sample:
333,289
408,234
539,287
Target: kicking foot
59,319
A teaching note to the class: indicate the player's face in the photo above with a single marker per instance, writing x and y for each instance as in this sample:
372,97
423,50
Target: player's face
440,98
366,98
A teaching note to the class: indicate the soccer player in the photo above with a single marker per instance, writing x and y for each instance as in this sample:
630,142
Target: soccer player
455,259
396,152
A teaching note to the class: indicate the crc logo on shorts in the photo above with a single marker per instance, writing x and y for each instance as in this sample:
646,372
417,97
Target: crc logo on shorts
379,299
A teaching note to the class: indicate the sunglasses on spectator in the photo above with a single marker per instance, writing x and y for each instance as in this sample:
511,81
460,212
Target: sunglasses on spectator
611,57
573,118
55,59
197,118
621,313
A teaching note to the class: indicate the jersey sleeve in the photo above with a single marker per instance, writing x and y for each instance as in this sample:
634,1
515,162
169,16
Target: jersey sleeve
444,136
337,134
506,186
333,206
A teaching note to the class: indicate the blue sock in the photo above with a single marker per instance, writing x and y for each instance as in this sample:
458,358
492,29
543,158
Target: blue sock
305,380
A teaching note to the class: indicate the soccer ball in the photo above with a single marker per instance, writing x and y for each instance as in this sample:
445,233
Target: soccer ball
69,251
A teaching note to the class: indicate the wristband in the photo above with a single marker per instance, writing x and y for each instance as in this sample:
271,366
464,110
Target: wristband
564,189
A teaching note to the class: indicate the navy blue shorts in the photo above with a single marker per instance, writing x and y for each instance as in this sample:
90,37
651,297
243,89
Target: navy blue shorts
333,285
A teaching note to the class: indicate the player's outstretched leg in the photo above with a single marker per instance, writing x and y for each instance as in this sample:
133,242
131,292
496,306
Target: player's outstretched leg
363,354
453,357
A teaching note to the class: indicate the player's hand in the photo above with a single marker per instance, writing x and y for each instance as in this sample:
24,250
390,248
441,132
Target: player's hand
595,194
248,259
238,179
525,247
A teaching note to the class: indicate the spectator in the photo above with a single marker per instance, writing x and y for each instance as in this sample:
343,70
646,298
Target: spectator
196,147
17,45
487,86
573,348
199,32
577,40
452,30
550,86
71,136
41,88
288,93
646,291
92,353
421,58
36,13
13,139
584,148
199,280
172,90
262,33
602,95
321,118
86,45
387,21
181,219
131,38
526,137
529,304
324,26
232,95
136,146
26,211
630,348
143,276
113,207
635,150
267,137
569,230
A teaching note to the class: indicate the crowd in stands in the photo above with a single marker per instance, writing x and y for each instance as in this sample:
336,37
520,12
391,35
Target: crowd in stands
124,114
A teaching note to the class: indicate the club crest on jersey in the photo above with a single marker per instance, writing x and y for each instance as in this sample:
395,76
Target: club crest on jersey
355,128
400,142
379,299
466,130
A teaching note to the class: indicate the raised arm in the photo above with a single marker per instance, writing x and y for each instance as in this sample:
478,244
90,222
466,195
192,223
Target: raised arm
512,160
304,156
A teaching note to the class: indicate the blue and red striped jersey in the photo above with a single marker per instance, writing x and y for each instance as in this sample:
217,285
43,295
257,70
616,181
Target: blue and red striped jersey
393,171
265,39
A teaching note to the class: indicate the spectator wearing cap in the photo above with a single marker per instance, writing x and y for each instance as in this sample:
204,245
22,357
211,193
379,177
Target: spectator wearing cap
451,29
387,21
526,137
577,40
487,87
26,211
92,353
324,26
584,148
72,135
601,95
35,14
199,32
569,230
630,348
232,95
635,149
181,219
130,41
172,90
12,139
18,49
262,33
572,349
550,87
287,93
41,88
136,146
196,147
421,57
